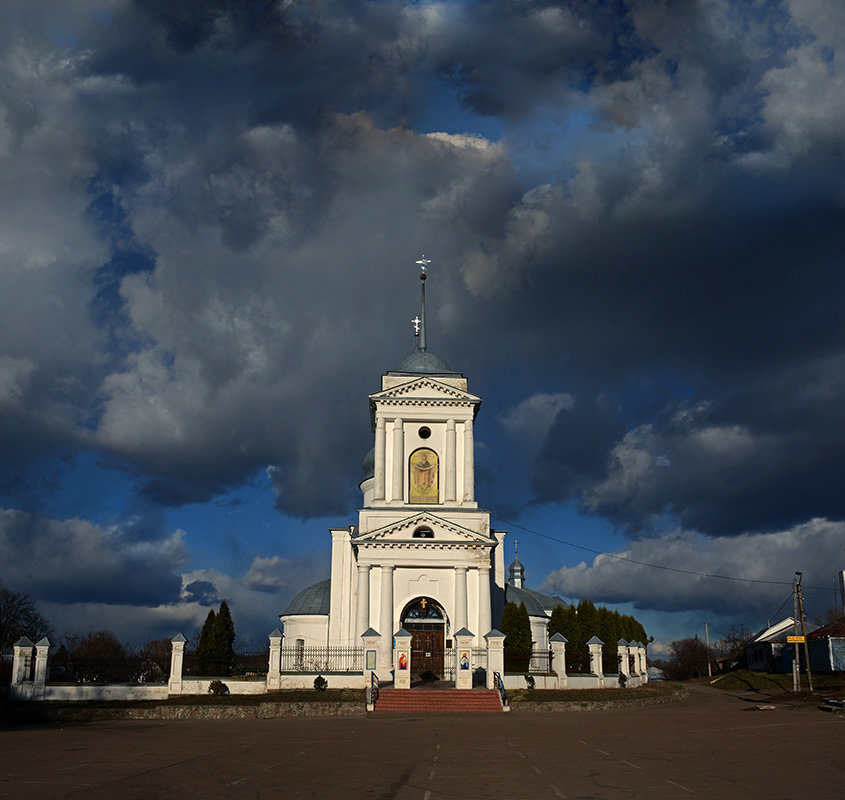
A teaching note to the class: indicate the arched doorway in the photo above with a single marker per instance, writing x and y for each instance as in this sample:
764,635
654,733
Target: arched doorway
425,620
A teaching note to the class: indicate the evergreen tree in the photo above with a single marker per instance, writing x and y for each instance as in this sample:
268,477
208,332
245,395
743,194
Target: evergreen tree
557,622
517,629
224,641
205,647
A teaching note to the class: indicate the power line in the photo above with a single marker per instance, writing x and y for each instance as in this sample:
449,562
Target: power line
645,563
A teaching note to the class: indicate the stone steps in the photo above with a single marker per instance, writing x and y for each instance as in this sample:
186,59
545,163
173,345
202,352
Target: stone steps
439,700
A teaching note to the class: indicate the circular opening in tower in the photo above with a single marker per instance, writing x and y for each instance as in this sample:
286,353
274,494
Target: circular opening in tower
424,432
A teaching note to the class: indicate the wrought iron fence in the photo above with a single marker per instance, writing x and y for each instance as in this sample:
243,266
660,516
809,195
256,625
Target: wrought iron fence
65,667
609,663
541,661
532,661
251,664
322,659
6,661
577,662
450,664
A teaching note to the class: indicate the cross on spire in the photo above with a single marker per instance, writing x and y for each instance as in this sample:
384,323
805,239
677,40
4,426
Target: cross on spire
423,262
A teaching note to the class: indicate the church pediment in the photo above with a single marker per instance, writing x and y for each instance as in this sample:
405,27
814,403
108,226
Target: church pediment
424,389
423,527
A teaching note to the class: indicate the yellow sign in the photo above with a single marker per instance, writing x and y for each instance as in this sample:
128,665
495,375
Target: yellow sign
795,639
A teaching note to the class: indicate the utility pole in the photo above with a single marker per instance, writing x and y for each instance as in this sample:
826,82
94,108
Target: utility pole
804,631
796,675
707,642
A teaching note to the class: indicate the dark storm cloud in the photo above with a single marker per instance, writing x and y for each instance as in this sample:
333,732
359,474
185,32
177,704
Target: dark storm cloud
215,209
202,592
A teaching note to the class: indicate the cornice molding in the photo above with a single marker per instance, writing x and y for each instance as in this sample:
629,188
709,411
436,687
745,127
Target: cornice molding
424,383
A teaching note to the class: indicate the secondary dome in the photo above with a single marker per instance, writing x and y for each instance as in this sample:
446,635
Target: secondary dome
369,464
315,599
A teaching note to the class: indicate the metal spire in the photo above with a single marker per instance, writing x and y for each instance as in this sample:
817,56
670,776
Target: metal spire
419,322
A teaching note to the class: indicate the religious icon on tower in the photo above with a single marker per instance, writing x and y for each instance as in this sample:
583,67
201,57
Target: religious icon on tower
423,471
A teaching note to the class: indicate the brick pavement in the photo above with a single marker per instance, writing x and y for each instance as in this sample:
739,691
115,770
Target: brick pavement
713,745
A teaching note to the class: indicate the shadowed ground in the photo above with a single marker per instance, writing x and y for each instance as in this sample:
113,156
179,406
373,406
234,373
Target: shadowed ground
716,744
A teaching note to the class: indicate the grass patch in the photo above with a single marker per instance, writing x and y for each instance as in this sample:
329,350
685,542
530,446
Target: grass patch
616,694
778,683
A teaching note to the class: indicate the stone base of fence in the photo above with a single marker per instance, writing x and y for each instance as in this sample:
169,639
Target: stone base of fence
104,691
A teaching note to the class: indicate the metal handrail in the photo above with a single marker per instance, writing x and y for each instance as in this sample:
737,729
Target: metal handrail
499,685
371,695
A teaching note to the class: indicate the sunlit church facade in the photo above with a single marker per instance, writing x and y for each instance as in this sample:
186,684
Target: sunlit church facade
423,556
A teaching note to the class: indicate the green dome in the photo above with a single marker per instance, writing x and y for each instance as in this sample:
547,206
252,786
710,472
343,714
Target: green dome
423,363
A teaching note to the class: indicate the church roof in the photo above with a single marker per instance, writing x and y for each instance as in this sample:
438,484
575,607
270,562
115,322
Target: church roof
315,599
536,603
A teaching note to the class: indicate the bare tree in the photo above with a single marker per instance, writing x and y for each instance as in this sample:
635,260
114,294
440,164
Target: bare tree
731,647
687,659
19,617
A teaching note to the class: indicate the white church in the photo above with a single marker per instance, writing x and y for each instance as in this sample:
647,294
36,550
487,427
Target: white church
422,556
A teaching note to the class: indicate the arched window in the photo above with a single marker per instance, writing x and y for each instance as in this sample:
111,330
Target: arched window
423,532
423,474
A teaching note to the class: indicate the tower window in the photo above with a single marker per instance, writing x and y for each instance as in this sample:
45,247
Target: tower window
423,532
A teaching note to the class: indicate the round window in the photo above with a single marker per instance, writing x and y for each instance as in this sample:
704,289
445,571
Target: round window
424,432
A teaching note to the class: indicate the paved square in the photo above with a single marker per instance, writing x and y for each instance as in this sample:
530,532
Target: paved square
713,745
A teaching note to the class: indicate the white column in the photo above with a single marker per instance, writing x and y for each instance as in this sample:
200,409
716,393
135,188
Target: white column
363,618
42,650
174,684
398,461
484,612
378,491
451,462
460,598
386,617
22,653
469,463
274,666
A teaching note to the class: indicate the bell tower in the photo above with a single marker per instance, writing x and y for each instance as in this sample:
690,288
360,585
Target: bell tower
421,540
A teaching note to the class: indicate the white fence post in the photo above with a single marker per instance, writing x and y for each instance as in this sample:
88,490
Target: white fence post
274,668
174,685
495,655
558,646
596,667
42,651
402,660
622,657
463,653
370,638
22,650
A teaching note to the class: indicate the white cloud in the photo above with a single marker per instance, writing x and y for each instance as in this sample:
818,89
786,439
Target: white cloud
814,548
77,561
530,420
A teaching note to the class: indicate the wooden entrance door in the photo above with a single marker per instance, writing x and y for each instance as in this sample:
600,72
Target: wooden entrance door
427,650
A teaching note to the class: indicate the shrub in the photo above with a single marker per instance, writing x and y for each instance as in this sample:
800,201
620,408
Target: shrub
218,688
320,683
